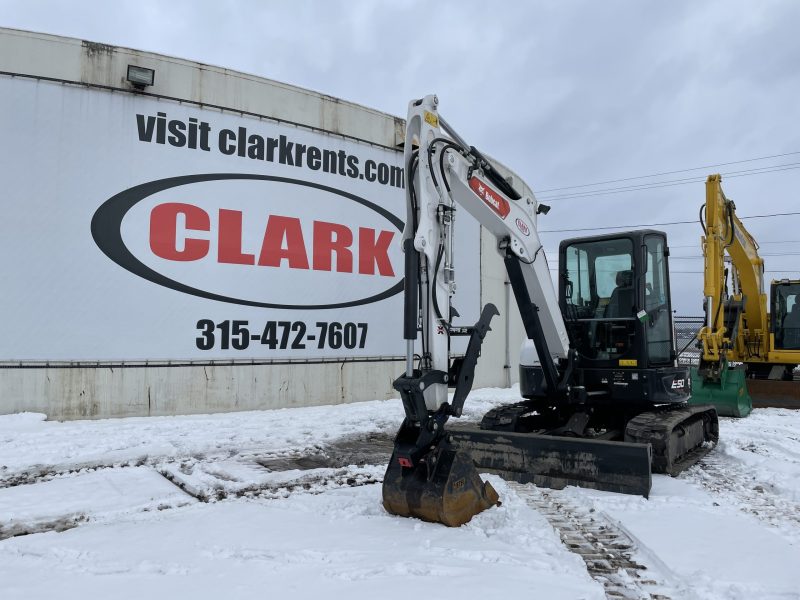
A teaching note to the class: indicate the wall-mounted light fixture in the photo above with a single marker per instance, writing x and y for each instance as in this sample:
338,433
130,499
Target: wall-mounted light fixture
141,77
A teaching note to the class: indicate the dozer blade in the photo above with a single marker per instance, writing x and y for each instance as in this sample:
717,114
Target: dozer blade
555,462
443,487
729,395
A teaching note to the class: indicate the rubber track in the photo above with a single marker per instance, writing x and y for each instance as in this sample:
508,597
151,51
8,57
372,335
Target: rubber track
656,427
499,418
606,550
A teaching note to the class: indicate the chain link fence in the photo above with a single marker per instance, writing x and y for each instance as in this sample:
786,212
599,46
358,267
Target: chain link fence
686,329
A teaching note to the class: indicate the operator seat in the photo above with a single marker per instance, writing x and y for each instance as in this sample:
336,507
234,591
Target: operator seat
791,327
621,302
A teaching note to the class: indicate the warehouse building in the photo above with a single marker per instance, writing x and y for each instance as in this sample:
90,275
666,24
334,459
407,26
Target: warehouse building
181,238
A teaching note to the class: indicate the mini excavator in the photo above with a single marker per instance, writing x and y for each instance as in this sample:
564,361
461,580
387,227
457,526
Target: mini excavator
604,402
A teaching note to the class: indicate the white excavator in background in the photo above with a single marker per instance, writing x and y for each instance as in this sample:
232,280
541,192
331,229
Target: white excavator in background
605,401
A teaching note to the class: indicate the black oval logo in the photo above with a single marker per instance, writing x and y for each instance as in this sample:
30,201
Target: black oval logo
107,234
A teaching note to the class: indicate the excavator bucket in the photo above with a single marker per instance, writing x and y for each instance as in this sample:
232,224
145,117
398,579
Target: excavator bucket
729,395
443,487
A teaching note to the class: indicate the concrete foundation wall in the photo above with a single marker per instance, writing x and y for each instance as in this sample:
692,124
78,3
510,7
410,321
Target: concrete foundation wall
100,392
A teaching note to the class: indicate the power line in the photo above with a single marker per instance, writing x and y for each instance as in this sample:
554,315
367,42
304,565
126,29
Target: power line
674,272
673,246
671,183
697,256
735,162
694,221
760,244
671,272
617,227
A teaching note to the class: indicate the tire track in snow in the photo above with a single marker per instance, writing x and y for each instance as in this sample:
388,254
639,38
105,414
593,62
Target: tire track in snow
102,495
42,474
9,530
360,450
738,485
607,551
225,487
348,462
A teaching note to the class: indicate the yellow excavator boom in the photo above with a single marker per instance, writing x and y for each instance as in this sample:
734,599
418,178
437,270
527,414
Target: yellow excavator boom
744,335
738,327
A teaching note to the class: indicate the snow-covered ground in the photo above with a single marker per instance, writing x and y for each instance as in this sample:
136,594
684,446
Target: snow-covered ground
288,504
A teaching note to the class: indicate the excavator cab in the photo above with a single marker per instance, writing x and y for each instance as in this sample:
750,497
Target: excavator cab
615,299
785,313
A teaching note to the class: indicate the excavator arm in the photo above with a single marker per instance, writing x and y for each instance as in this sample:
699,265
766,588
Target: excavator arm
736,324
446,175
724,336
450,175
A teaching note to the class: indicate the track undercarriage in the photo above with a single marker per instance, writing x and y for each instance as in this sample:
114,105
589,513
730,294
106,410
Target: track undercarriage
605,450
608,451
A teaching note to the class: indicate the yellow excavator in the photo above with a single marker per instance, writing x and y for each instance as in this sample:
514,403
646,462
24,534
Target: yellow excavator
740,326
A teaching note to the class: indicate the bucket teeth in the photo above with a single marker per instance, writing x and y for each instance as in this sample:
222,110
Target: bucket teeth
443,487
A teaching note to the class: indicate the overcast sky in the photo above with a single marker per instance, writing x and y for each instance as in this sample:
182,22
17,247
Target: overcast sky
565,93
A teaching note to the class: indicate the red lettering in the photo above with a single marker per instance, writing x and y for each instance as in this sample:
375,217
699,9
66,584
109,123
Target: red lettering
283,241
229,249
372,252
164,231
273,250
330,238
